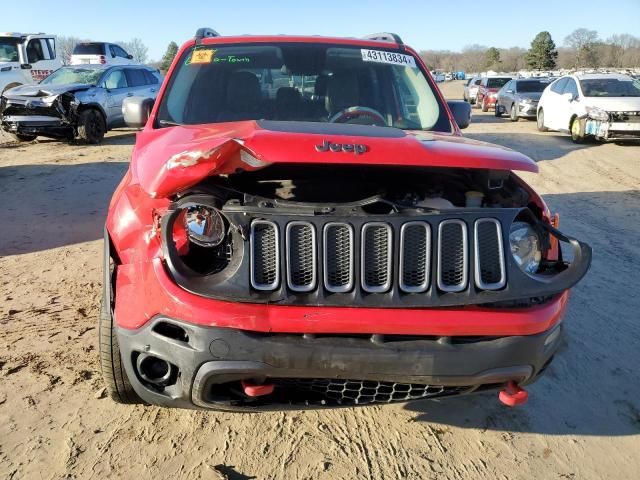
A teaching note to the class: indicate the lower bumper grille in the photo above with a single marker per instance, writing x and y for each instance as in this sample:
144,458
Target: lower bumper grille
358,392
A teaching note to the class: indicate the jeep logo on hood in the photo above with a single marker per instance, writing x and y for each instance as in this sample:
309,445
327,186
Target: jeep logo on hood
356,148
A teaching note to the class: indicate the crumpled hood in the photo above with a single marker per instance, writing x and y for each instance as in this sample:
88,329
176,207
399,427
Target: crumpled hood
44,90
614,104
169,160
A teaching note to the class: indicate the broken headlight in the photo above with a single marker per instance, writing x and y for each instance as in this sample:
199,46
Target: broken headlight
526,246
204,225
597,113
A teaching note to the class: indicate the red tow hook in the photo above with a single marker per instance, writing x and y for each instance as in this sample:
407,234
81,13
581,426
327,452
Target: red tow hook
513,395
251,390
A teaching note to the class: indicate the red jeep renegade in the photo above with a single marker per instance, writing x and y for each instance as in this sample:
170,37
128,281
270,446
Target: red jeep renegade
303,225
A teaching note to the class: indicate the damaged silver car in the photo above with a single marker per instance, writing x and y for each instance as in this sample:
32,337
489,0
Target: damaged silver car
76,102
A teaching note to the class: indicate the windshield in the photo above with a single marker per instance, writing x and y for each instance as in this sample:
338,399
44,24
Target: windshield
9,49
89,49
66,75
532,86
610,87
497,82
301,82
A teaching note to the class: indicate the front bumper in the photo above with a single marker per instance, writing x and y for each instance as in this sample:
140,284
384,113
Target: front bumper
208,364
527,110
37,125
613,131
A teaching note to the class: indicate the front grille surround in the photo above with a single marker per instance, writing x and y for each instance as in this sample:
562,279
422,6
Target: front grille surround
495,257
453,256
302,264
339,259
376,262
265,256
414,276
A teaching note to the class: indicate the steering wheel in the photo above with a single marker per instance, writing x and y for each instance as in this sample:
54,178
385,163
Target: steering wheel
360,116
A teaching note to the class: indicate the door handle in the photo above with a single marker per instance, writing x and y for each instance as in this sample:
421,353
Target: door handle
153,90
130,94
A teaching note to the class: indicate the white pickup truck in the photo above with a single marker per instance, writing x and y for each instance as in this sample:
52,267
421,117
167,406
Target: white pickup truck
26,58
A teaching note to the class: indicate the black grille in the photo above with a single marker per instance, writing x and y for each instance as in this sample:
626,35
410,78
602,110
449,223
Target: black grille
358,392
301,256
415,252
264,255
452,256
338,247
376,257
489,255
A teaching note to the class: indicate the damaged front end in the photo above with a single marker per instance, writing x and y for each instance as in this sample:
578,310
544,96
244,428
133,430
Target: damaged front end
42,113
612,126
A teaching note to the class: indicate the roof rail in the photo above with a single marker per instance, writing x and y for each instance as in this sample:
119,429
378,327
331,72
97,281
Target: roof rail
205,32
386,37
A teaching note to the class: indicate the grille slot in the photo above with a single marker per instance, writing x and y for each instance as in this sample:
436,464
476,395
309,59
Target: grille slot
338,257
265,255
415,256
489,255
453,257
301,256
376,257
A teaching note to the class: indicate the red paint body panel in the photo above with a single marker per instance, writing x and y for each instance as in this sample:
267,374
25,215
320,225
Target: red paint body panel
145,290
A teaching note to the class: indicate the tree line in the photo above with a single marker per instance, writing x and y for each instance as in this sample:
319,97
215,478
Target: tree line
583,48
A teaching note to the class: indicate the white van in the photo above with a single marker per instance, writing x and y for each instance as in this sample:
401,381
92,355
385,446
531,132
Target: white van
100,52
26,58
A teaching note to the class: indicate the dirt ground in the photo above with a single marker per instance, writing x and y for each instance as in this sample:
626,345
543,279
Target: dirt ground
582,420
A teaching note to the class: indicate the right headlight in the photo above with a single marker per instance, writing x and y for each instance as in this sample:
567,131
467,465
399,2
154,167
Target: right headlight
597,113
525,245
204,226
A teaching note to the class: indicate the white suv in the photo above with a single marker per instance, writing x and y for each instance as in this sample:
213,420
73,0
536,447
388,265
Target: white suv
604,106
100,52
26,58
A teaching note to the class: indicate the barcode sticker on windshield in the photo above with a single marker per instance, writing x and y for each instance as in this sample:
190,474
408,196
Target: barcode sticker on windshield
394,58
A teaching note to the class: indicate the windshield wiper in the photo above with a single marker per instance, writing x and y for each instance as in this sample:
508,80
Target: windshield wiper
169,123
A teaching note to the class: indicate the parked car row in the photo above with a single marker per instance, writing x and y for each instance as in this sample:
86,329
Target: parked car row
604,106
80,101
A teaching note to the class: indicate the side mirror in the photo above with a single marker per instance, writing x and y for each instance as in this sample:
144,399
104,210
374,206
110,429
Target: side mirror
130,57
136,111
461,111
509,91
569,96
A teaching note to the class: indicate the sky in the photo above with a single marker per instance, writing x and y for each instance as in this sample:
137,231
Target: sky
447,24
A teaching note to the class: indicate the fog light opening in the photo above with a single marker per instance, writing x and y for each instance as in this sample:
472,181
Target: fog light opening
153,369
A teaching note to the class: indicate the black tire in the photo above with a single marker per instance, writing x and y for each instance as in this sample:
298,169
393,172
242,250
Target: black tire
513,113
540,121
91,126
24,137
577,130
497,111
115,377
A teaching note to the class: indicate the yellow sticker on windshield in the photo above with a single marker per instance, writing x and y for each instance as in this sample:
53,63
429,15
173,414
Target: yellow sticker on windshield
202,55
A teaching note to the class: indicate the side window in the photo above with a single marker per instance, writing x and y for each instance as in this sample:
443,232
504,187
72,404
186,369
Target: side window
558,87
34,51
477,82
51,45
112,51
135,77
571,87
151,78
120,52
116,79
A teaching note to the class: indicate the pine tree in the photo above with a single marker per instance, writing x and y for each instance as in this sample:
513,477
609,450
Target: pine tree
492,58
542,54
168,56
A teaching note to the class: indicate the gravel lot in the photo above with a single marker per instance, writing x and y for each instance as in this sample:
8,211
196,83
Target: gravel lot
582,420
